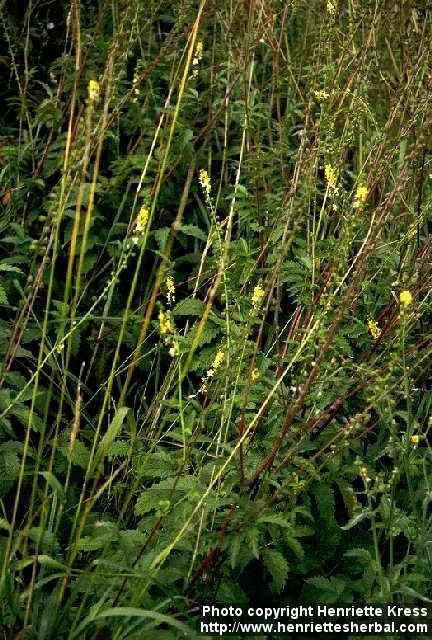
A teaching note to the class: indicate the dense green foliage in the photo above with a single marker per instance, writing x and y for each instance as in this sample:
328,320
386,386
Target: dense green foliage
215,297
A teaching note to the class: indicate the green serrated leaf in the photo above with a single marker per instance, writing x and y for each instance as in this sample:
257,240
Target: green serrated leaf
3,297
192,230
277,519
253,537
359,517
234,549
295,546
189,307
277,566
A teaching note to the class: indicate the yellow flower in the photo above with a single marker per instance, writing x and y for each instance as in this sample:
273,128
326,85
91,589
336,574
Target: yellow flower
374,328
197,58
331,177
360,196
321,95
415,439
165,322
166,328
174,350
142,219
361,193
93,90
218,359
198,52
255,374
258,295
205,183
170,288
331,7
135,83
405,298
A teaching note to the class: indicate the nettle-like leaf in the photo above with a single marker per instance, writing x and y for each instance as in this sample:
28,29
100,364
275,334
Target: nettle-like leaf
118,449
208,333
80,453
252,535
359,560
162,236
328,530
296,275
157,464
46,539
192,230
277,566
234,548
10,457
295,546
331,590
93,543
4,266
230,592
131,540
189,307
365,514
158,493
239,551
23,414
99,534
3,297
276,518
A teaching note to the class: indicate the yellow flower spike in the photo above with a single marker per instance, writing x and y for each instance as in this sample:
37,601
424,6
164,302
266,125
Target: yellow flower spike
135,83
174,350
205,183
331,176
361,193
255,374
142,219
321,95
405,298
198,51
219,358
331,7
196,59
415,439
374,328
170,289
258,295
360,196
93,90
165,322
167,329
